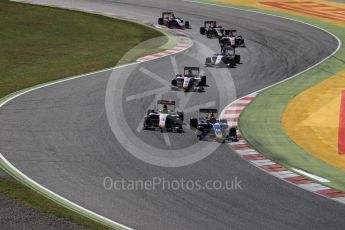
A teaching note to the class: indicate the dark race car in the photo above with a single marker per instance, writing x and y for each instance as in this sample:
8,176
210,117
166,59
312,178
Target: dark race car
209,128
229,38
164,118
227,58
189,81
211,30
169,20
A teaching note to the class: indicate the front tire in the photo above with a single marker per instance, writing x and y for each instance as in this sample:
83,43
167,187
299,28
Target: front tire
160,21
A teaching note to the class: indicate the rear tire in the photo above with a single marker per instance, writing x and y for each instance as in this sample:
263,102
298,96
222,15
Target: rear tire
160,21
193,123
208,61
202,30
181,115
237,59
203,81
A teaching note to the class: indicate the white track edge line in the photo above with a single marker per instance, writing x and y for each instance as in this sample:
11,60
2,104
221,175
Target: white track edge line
14,95
58,196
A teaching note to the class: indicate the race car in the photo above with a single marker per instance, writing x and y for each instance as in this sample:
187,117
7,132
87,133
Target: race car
211,30
229,38
227,58
209,128
190,80
169,20
164,118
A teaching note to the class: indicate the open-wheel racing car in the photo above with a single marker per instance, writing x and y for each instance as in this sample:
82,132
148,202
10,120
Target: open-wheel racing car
164,118
169,20
229,38
209,128
189,81
227,58
211,30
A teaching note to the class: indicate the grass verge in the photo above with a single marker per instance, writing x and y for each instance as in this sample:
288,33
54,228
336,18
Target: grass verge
21,193
260,122
40,44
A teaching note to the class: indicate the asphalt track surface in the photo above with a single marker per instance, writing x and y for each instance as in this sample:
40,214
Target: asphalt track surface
60,135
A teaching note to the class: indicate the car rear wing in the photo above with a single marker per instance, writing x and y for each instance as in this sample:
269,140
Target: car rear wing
193,69
208,23
208,111
229,32
164,14
165,102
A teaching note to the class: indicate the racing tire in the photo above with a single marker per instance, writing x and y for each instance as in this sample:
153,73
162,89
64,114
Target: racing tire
187,25
208,61
199,137
160,21
202,30
181,115
232,63
237,59
193,122
174,82
203,81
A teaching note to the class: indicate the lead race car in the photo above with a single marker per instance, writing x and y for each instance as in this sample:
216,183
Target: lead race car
211,30
209,128
190,80
164,118
227,58
169,20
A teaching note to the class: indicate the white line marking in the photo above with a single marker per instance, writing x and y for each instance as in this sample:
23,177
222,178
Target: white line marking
146,94
166,139
287,79
235,107
286,18
246,152
315,177
58,196
283,174
339,199
262,162
313,187
230,115
10,97
174,65
154,76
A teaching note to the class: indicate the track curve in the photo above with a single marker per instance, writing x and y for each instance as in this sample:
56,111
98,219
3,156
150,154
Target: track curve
60,135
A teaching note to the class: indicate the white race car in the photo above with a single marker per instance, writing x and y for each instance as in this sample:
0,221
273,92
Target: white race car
227,58
211,30
190,80
164,117
169,20
229,38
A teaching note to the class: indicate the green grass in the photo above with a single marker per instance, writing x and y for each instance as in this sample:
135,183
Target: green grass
21,193
260,122
41,44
